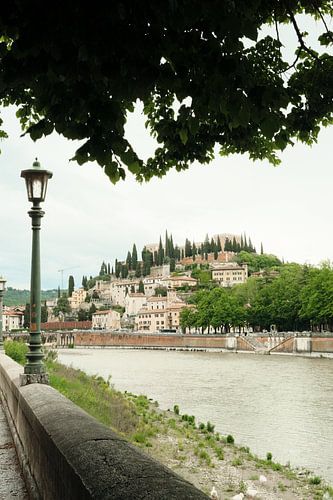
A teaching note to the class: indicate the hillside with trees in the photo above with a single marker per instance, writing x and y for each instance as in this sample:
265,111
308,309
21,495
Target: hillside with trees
167,252
16,297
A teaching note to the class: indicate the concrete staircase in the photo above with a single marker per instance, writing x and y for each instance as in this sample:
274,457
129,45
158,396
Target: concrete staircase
258,347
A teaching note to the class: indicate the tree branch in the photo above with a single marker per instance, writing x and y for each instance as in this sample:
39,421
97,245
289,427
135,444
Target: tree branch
300,37
323,20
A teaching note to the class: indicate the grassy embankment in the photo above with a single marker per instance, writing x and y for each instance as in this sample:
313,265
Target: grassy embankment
194,451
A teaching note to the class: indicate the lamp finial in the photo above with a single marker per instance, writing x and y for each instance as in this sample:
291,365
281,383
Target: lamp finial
36,163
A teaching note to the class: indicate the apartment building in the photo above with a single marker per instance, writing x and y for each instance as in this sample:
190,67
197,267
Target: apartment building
230,274
159,313
106,320
78,296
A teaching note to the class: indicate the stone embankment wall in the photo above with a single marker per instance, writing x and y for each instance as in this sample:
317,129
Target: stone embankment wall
67,454
285,344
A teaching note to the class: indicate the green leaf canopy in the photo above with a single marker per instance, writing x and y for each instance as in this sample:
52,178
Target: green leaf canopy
203,70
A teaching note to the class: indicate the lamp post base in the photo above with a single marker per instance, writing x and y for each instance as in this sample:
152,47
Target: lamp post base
34,378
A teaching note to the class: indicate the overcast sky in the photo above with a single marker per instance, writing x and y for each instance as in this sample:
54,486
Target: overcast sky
88,219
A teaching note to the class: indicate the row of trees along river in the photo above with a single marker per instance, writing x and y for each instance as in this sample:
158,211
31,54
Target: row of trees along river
292,297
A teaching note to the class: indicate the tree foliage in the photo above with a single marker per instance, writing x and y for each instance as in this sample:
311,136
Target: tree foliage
206,73
298,298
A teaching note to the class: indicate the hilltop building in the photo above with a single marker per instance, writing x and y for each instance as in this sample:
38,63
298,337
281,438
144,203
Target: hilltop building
230,274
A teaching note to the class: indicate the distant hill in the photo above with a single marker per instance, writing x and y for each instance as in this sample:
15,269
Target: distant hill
15,297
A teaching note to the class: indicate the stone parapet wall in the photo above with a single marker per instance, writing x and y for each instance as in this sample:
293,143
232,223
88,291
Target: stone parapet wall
149,340
322,344
66,454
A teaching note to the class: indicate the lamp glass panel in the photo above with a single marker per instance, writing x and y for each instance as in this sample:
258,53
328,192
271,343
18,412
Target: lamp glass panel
37,187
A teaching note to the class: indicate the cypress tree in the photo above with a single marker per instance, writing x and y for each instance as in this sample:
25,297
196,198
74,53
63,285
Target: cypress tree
109,269
212,245
138,271
219,246
141,287
117,269
250,245
167,245
70,286
85,282
124,271
188,248
241,243
129,260
172,265
246,248
171,248
134,257
261,249
160,253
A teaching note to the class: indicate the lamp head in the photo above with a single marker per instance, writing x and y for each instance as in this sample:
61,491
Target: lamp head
36,180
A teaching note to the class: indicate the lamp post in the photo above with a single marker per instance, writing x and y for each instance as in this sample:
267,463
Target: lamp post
2,290
36,180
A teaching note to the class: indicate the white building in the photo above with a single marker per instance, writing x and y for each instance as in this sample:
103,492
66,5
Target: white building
119,289
12,319
134,302
150,284
106,320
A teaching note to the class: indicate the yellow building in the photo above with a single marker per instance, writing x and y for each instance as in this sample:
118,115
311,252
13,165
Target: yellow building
230,274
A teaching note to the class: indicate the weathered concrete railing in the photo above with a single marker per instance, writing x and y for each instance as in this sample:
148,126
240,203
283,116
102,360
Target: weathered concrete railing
67,454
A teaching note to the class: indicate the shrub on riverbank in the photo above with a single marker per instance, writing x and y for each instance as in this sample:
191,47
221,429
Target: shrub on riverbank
16,350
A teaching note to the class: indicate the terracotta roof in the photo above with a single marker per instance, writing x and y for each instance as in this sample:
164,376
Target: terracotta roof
179,278
136,295
104,312
228,268
157,299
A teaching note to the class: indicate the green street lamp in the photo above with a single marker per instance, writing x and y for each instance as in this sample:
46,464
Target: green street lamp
2,291
36,180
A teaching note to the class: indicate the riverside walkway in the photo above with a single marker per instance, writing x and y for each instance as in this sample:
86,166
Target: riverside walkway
11,482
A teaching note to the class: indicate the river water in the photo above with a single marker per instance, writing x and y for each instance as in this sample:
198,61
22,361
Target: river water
281,404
